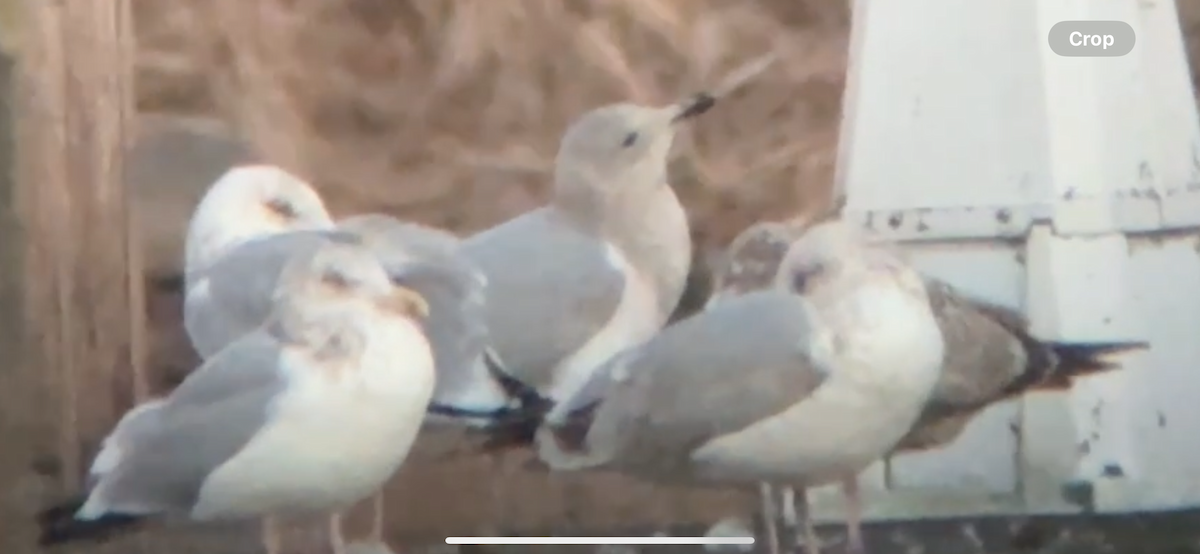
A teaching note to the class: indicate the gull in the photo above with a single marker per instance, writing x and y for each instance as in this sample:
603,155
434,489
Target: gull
597,270
602,266
310,413
805,383
990,354
252,217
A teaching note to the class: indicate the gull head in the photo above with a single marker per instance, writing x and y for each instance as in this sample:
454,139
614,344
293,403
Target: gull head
343,275
753,258
838,251
619,147
249,202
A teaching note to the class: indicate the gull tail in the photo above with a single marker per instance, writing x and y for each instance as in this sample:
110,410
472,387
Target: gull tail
59,525
1076,360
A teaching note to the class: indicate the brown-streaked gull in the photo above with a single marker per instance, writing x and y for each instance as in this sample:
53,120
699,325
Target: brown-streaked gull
752,259
252,217
802,384
990,354
310,413
991,357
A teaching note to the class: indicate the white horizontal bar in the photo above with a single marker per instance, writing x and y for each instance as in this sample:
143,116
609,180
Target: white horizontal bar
600,540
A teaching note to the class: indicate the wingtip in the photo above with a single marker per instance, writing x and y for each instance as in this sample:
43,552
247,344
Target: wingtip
528,397
1075,360
58,525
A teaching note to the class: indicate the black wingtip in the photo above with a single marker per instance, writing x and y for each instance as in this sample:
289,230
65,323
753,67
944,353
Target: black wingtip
1075,360
518,428
58,525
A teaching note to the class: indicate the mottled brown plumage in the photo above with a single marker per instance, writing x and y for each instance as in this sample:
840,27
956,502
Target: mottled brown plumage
991,357
990,354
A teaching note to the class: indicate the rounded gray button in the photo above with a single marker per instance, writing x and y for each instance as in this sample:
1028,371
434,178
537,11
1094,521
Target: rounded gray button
1107,39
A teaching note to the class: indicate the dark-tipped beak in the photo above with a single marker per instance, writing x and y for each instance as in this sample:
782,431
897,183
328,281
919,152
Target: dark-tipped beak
694,106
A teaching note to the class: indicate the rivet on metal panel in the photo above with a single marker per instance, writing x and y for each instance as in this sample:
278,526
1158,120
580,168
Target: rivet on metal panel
1146,175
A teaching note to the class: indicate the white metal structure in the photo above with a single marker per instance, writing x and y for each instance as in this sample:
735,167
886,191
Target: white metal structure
1065,186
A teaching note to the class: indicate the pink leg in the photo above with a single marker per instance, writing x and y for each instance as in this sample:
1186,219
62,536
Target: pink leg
376,534
271,536
337,540
854,538
770,516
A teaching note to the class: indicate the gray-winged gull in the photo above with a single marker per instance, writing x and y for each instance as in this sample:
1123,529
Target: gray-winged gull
241,237
252,216
235,262
990,354
602,266
311,413
803,384
597,270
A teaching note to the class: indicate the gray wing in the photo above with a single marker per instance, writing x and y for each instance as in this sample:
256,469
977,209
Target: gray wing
550,289
713,374
989,356
233,295
428,261
164,458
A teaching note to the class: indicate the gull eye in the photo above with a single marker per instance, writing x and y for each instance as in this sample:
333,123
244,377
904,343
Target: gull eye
803,278
335,280
630,139
283,208
798,282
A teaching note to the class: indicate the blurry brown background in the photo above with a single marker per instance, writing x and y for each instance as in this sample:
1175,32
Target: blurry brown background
448,112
